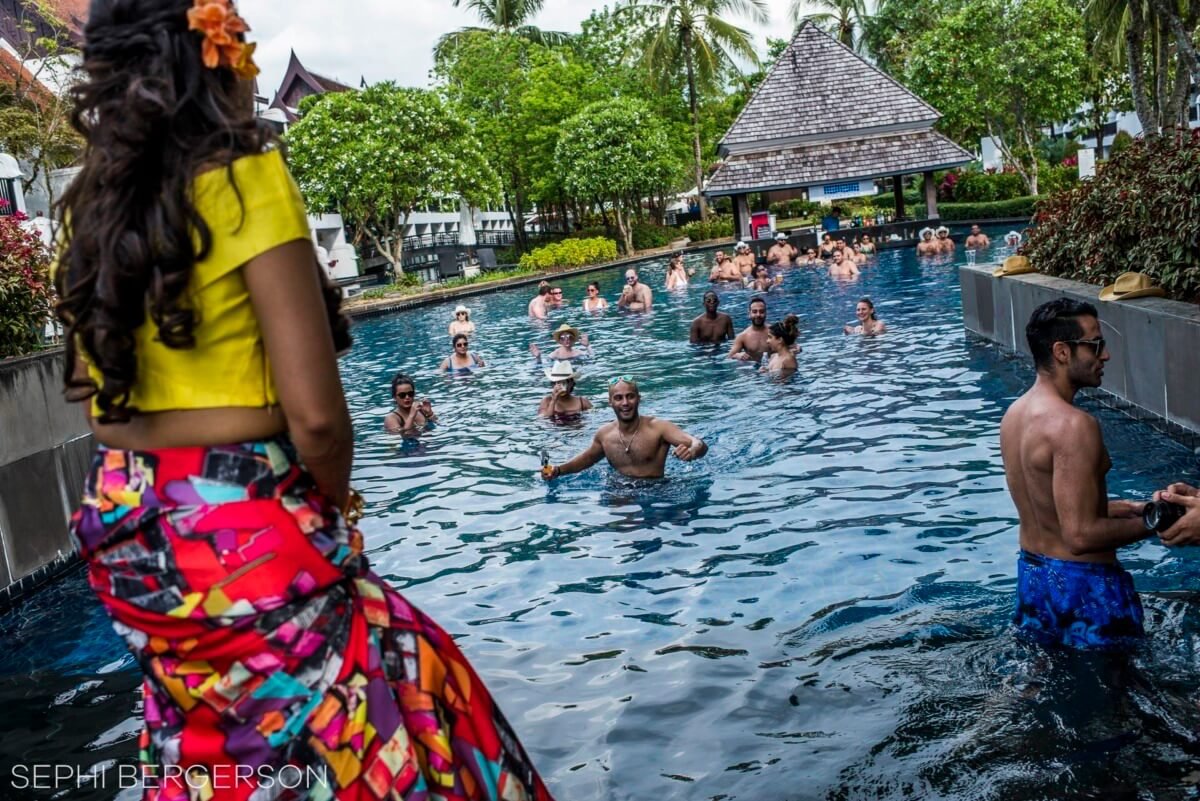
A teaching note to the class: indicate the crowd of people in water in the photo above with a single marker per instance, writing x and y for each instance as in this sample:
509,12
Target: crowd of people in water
634,444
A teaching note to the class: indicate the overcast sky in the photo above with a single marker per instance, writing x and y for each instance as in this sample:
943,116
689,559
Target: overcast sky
393,39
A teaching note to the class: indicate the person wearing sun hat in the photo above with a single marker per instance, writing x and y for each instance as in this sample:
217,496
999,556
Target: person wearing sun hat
566,336
561,405
927,246
462,322
744,259
1128,286
944,242
782,253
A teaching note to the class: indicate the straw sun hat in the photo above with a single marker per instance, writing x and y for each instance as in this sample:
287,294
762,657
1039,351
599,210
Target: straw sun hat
1014,265
1131,285
565,329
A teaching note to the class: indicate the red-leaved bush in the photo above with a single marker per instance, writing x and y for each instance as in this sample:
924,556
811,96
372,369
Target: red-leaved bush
26,292
1141,213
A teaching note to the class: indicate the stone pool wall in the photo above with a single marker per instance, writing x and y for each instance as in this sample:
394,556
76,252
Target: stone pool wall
45,447
1154,343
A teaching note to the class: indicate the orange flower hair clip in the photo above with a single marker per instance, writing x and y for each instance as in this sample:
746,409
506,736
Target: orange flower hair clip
220,24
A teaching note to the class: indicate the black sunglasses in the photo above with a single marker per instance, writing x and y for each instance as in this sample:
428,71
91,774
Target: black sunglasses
1098,345
409,394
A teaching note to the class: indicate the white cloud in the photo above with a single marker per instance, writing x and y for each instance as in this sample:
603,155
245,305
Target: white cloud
393,39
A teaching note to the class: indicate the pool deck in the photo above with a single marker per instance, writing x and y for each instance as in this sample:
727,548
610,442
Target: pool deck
377,306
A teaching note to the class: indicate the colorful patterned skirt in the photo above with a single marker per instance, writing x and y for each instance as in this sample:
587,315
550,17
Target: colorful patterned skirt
277,666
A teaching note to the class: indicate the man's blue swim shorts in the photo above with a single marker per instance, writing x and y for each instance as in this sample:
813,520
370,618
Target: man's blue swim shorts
1083,605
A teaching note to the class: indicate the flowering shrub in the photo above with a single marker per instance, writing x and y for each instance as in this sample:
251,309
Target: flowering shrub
1141,213
26,294
570,253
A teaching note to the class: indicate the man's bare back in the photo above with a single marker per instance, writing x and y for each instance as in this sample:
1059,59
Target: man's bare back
1036,427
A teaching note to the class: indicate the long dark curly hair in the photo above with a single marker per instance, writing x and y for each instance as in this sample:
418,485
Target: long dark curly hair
153,117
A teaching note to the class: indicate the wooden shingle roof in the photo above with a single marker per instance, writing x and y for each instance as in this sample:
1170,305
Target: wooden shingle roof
821,88
864,157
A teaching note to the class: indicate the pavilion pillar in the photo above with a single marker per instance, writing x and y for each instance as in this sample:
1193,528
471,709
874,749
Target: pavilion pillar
930,196
741,217
898,193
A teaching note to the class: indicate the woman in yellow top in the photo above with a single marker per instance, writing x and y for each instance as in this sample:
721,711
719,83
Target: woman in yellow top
217,520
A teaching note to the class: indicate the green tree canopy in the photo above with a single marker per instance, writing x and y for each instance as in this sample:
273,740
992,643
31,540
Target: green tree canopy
616,151
379,154
697,35
1002,68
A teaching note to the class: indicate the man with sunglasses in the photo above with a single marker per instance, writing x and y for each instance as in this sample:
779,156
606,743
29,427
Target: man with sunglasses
635,296
408,417
1071,591
712,326
634,445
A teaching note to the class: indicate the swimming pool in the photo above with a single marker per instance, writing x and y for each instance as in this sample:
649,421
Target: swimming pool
816,610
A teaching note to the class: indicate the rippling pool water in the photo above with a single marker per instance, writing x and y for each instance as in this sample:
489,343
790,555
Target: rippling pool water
816,610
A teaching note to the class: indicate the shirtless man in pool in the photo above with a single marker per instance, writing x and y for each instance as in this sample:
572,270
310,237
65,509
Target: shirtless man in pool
1071,591
634,445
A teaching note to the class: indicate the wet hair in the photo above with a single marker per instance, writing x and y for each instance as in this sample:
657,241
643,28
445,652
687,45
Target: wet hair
870,305
594,284
457,337
758,299
543,290
1052,322
400,379
787,330
152,117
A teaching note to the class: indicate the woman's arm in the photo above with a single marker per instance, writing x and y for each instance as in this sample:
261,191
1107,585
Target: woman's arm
285,290
478,361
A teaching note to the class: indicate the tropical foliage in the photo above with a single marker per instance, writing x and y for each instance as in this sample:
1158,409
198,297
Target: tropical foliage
1140,214
617,152
26,293
1004,69
570,253
504,16
378,155
697,35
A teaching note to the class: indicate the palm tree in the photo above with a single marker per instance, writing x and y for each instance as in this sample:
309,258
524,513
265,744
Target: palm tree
504,16
696,33
842,19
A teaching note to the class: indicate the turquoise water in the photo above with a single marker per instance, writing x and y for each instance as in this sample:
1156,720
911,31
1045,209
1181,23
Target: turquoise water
816,610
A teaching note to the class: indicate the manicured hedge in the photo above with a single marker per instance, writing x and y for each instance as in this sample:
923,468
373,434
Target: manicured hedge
717,227
1000,209
1141,213
570,253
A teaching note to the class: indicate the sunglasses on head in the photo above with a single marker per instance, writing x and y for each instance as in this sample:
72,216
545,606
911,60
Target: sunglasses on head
1098,345
409,394
612,382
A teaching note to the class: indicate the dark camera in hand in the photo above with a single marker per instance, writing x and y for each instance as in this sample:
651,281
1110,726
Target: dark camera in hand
1161,515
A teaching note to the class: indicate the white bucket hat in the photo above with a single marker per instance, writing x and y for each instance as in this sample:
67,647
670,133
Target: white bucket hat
941,229
781,237
460,309
562,371
740,245
923,231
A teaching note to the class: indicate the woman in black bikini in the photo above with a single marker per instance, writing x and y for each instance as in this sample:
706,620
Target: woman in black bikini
409,417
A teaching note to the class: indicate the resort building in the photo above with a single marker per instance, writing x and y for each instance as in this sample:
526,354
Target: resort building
795,139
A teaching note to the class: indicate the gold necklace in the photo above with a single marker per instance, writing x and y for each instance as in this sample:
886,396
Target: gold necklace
632,436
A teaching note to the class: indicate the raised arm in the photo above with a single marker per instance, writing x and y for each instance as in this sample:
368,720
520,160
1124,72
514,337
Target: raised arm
1079,496
285,289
